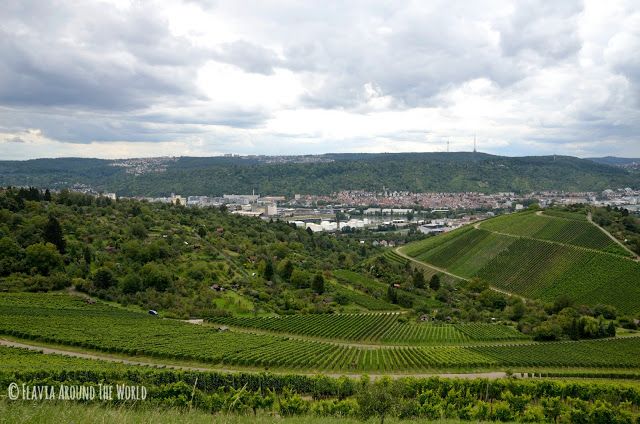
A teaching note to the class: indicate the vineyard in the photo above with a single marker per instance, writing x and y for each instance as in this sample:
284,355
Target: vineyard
537,267
375,328
363,299
66,320
565,214
543,227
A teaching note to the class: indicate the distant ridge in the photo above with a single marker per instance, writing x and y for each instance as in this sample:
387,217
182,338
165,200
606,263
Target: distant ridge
320,174
615,161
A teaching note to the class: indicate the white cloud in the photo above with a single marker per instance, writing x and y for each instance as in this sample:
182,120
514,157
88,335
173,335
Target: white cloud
194,77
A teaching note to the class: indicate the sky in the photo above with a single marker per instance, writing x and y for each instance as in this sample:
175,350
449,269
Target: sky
117,79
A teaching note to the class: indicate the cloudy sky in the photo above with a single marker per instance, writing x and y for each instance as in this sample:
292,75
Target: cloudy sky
143,78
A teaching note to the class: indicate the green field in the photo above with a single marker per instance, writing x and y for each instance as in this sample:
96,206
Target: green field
66,320
566,256
556,229
375,328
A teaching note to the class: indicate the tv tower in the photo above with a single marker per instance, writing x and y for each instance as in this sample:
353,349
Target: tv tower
447,145
474,143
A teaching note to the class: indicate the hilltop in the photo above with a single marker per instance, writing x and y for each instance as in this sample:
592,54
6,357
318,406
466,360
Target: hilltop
539,255
321,174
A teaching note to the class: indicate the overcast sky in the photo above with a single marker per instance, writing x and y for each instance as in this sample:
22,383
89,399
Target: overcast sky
133,79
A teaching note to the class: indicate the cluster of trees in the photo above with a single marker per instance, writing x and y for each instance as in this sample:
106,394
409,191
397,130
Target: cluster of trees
186,261
621,223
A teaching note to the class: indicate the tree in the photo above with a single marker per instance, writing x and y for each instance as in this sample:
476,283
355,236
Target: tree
156,276
434,282
286,269
131,283
138,230
87,254
300,279
377,399
318,284
47,195
268,270
53,234
10,256
43,258
103,278
418,279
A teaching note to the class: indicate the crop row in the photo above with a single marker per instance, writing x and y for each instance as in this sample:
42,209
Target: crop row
363,299
560,230
544,270
115,330
383,328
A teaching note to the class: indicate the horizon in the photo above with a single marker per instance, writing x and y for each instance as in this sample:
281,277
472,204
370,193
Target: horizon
233,155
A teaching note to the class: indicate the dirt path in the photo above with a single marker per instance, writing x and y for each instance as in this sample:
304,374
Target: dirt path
438,269
100,357
444,271
590,219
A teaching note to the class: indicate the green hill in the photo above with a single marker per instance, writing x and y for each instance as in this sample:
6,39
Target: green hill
323,174
539,256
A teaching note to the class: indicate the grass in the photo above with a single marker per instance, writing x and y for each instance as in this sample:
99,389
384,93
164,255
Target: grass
70,412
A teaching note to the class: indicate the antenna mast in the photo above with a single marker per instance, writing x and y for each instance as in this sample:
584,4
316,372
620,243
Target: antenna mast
447,145
474,143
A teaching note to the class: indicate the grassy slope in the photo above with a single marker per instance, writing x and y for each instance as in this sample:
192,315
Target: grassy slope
542,257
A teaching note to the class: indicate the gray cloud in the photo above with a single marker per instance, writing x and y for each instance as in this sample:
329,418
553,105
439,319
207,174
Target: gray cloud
551,74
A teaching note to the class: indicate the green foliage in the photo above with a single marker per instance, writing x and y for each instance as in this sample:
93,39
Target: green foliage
417,172
42,258
103,278
434,282
318,284
52,233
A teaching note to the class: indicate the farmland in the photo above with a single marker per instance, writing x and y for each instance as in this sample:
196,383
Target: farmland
231,397
538,257
65,320
553,228
378,328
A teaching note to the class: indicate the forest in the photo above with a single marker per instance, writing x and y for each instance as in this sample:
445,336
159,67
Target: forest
415,172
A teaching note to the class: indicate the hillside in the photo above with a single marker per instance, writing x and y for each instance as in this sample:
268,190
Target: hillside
324,174
540,256
181,261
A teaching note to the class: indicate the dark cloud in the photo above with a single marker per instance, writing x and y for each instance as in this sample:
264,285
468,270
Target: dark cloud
91,56
92,71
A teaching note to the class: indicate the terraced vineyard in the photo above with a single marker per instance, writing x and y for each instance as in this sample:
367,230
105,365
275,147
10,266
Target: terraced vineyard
552,228
503,252
378,328
68,321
